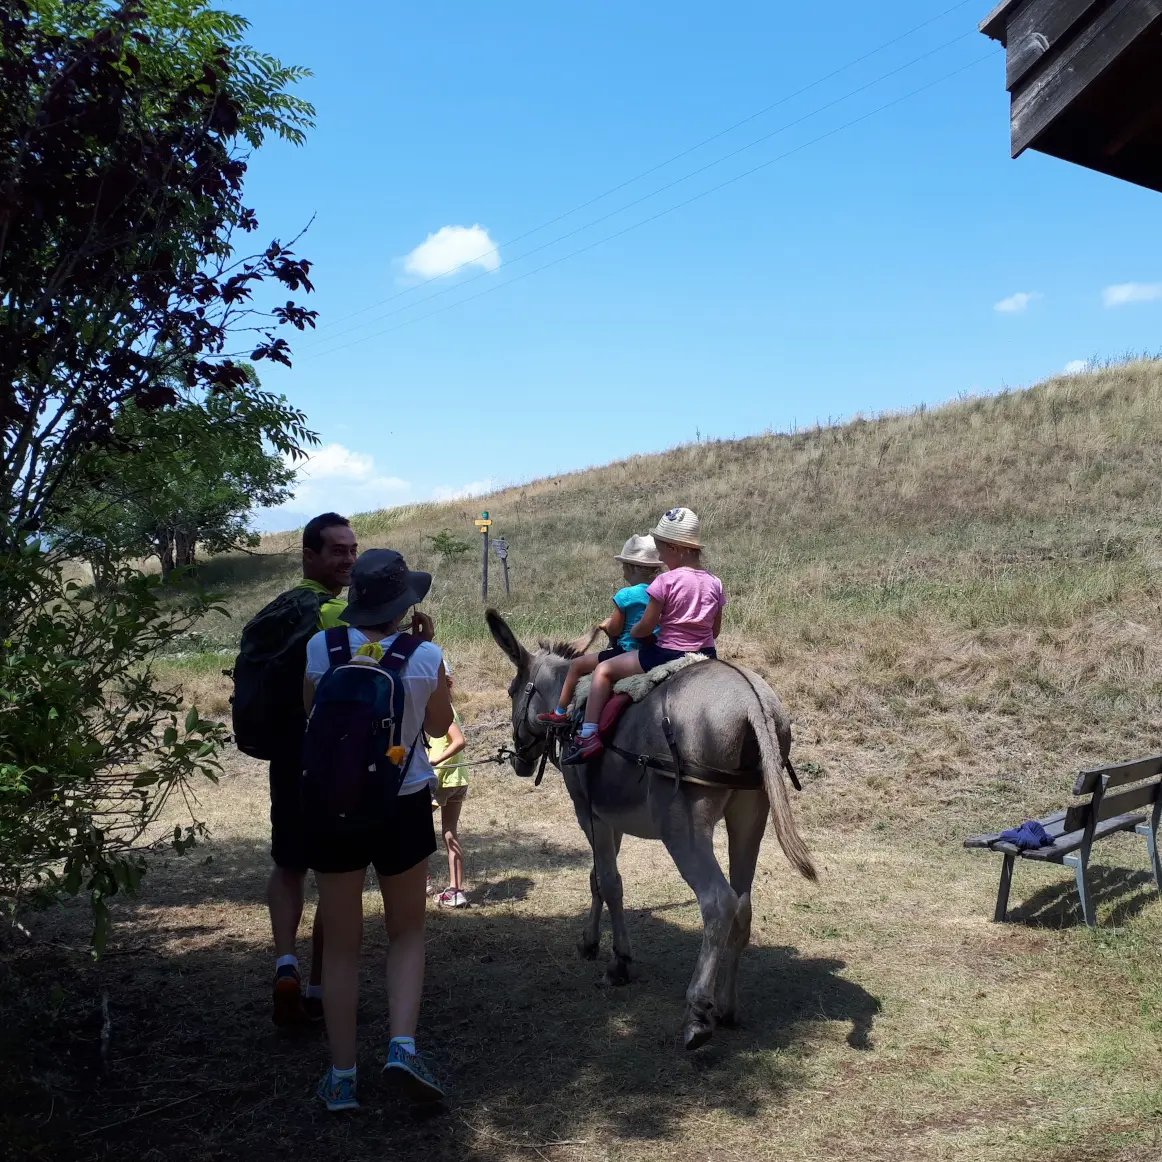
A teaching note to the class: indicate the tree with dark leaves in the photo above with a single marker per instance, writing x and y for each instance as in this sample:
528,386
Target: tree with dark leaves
125,290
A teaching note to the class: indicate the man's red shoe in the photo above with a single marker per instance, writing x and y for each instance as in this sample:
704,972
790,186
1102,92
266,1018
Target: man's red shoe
288,997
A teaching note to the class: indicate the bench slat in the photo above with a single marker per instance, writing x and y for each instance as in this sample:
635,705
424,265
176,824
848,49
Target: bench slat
1072,840
1124,801
1119,774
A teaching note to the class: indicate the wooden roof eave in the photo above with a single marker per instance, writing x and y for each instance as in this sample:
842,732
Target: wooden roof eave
995,25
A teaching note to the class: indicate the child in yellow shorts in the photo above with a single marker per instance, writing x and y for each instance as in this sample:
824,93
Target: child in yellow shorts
449,762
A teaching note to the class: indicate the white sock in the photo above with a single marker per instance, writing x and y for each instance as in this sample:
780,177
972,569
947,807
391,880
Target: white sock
315,990
340,1074
293,961
588,729
406,1043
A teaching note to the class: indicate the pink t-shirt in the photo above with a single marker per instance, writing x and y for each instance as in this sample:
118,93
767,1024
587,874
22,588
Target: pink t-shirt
690,601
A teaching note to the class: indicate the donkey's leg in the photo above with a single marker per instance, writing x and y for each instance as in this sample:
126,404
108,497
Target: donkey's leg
590,943
689,837
746,821
606,844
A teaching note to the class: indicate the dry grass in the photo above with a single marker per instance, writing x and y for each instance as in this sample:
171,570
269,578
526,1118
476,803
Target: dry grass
883,1015
959,606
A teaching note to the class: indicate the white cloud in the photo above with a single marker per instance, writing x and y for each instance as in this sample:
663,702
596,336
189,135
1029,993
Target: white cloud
339,479
453,248
1076,366
464,491
1016,304
1131,292
333,461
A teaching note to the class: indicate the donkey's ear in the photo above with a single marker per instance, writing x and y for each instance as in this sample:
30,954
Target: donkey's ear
504,637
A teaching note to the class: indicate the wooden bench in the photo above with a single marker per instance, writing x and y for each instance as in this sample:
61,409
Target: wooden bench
1135,807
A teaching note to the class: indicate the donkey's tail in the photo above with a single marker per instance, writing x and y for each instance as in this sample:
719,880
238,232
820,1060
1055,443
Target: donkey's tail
773,761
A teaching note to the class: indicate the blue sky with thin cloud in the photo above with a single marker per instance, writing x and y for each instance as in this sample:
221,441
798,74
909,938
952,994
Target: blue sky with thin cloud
549,236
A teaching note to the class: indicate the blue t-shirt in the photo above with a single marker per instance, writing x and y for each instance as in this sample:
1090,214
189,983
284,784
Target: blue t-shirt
632,601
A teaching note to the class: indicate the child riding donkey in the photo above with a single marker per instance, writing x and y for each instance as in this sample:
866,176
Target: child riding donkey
684,608
640,566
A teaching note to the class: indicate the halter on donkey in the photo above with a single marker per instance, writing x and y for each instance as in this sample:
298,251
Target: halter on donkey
714,719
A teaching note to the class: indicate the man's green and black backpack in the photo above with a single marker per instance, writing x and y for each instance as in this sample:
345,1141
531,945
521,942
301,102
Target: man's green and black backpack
267,707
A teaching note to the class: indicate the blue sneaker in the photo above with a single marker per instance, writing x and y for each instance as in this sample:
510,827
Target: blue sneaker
408,1073
337,1093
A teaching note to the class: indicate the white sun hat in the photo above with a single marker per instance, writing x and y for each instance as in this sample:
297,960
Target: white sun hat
679,527
640,551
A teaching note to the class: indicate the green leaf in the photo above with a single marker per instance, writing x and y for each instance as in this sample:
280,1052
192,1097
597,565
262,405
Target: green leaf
191,720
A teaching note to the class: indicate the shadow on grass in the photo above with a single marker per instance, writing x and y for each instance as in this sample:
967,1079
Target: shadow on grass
1058,906
533,1049
235,872
229,570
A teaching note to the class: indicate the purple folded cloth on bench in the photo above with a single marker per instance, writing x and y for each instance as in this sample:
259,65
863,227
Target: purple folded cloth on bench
1029,835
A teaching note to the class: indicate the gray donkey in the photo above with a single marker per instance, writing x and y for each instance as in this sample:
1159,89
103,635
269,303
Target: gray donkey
722,717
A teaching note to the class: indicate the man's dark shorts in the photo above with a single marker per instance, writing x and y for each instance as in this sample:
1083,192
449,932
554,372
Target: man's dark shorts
287,837
394,848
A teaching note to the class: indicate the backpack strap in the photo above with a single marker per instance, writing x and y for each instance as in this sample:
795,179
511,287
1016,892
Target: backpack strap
338,646
394,659
397,654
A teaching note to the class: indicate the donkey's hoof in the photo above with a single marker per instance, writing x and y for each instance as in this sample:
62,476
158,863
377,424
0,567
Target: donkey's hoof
697,1033
727,1019
588,951
618,971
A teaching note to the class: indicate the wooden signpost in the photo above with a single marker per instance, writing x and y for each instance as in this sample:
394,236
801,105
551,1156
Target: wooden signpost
501,546
484,523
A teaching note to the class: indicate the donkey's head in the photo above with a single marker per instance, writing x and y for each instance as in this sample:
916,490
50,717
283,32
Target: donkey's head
534,689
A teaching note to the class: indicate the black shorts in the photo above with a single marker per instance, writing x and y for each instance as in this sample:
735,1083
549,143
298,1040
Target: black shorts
394,848
287,834
607,655
653,656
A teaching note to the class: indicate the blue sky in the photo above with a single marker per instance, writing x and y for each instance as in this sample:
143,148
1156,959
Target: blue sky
862,272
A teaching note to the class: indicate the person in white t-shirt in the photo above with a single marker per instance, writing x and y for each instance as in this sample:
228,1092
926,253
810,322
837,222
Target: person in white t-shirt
382,590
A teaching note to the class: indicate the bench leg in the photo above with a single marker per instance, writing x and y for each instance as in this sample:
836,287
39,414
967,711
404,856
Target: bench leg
1079,868
1002,912
1151,835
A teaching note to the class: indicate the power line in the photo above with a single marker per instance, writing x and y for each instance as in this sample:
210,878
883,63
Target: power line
652,193
662,164
668,210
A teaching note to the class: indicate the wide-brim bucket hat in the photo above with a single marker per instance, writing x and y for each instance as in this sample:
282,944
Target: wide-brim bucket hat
383,588
679,527
640,551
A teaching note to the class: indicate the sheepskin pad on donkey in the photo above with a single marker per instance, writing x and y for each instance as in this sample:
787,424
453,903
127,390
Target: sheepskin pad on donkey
637,686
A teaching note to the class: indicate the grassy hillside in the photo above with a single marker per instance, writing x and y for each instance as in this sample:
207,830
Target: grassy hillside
959,605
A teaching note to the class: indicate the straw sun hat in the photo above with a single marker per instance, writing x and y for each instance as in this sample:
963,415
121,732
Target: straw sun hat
679,527
640,551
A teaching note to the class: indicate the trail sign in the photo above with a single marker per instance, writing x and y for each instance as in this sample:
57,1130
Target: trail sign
502,552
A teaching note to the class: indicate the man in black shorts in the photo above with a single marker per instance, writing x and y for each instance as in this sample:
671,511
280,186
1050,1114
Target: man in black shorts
329,551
